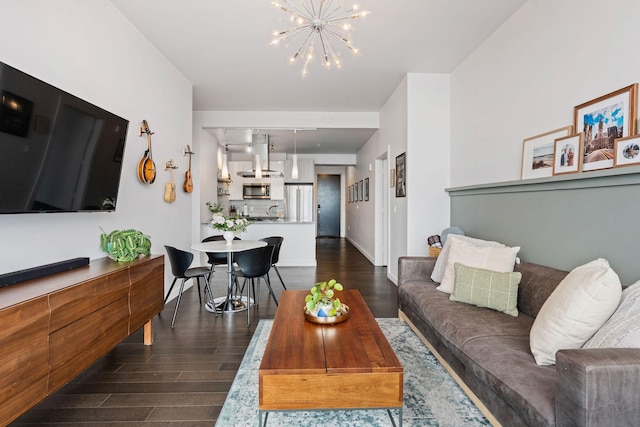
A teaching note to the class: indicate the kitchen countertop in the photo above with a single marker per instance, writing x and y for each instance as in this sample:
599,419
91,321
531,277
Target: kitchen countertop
274,221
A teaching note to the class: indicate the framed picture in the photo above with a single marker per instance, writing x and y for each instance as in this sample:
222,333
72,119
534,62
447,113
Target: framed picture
360,190
366,189
348,194
537,153
392,178
602,121
567,155
401,175
627,151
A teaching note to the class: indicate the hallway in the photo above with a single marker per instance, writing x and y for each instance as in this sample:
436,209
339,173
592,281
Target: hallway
183,379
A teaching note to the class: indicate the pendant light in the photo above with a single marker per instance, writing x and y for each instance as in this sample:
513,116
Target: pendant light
294,167
258,167
225,164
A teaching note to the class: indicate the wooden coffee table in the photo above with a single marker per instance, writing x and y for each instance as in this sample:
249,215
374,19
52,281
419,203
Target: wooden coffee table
349,365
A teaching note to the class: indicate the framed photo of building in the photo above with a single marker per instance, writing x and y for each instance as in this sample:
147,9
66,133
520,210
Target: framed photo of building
567,154
537,153
603,120
627,151
401,175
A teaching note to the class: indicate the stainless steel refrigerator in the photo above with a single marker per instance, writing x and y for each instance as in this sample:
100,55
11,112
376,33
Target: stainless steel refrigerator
298,202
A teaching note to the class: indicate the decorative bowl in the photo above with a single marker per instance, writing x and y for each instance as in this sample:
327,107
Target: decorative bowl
341,316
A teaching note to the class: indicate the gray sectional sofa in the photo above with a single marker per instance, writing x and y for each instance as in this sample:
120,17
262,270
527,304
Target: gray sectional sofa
490,352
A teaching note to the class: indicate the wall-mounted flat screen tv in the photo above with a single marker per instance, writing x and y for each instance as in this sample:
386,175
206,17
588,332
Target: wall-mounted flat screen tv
58,153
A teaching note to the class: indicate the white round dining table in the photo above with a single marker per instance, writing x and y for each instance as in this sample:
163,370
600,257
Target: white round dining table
221,246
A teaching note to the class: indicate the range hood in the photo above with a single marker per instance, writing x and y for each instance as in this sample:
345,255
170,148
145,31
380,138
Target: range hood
260,156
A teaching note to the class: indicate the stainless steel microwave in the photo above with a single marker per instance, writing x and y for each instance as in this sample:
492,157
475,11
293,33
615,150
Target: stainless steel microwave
256,191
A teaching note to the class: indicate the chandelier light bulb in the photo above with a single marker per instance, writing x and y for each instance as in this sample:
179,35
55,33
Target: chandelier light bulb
320,23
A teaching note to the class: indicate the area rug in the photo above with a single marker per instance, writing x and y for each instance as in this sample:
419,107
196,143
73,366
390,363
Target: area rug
431,395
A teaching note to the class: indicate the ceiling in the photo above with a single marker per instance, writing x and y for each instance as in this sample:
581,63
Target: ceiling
222,47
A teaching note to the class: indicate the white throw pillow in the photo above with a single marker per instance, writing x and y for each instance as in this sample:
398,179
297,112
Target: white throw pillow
622,330
443,259
499,259
576,309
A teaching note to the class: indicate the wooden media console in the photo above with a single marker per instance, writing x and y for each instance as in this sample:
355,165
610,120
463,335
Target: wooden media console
54,327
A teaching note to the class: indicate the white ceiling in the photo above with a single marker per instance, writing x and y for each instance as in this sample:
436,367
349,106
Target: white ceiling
222,47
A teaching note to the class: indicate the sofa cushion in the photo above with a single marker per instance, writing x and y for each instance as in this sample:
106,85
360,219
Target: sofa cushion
486,288
507,366
538,282
501,259
622,330
455,321
443,258
577,308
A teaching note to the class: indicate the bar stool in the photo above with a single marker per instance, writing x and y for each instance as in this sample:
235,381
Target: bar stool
180,261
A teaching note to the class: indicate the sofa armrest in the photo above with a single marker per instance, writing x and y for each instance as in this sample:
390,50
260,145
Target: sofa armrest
414,268
598,387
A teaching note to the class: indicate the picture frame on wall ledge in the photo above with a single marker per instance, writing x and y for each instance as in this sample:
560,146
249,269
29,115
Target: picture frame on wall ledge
627,151
567,154
603,120
360,190
401,175
537,153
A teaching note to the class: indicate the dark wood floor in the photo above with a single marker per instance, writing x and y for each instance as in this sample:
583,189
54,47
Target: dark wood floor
183,379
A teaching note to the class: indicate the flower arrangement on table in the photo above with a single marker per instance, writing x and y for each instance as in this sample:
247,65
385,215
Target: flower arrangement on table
234,224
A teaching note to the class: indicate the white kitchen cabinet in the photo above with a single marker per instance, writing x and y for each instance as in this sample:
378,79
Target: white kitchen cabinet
306,171
235,187
277,188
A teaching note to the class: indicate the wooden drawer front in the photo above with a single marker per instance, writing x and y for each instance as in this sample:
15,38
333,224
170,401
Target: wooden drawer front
73,348
146,297
24,363
76,302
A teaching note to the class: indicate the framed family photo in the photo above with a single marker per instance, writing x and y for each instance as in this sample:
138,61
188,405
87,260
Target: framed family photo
627,151
567,155
537,153
603,120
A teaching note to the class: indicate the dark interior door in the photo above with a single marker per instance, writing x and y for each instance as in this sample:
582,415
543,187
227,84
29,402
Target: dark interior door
328,206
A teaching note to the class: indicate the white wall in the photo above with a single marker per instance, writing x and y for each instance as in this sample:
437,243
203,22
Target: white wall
393,132
428,136
361,214
415,120
92,51
550,56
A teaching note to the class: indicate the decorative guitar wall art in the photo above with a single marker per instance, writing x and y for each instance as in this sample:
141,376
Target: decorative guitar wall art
170,188
188,183
146,167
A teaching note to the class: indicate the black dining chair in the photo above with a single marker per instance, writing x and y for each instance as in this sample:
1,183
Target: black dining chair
254,264
276,242
180,261
216,258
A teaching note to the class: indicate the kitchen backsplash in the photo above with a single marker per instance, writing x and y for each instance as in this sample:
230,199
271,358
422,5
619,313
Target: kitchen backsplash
258,208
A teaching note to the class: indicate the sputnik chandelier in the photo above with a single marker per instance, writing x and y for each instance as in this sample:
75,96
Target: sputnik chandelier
318,22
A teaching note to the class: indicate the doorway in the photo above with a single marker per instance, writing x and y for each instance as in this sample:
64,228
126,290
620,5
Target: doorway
328,213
